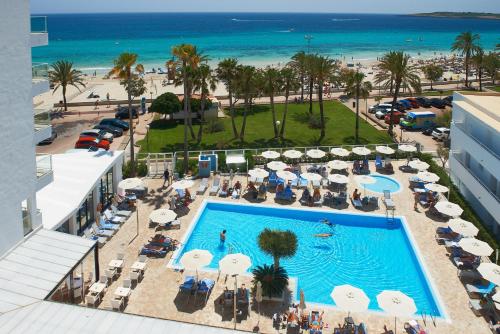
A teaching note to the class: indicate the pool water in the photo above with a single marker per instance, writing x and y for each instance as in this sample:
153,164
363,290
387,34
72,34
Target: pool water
382,183
365,251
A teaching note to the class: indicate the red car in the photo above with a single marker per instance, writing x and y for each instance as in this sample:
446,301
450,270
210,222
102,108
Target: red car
396,116
413,102
88,142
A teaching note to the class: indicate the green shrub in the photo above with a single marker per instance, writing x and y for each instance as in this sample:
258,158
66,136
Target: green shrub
167,103
214,127
196,105
222,162
141,169
250,159
315,122
456,197
192,166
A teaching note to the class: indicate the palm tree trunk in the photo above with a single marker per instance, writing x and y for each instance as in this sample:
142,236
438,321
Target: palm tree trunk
275,127
64,97
131,129
186,157
321,112
190,118
202,117
301,87
311,86
394,100
356,139
276,261
431,84
244,124
231,112
480,73
467,70
282,130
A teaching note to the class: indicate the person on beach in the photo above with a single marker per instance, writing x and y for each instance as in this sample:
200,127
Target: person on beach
96,105
108,99
166,177
356,195
416,198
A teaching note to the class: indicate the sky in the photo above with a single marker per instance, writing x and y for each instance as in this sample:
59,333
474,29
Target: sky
317,6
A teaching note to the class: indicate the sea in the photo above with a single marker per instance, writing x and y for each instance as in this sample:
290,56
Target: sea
92,41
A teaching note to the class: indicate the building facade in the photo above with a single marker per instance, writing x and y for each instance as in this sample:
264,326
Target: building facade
475,153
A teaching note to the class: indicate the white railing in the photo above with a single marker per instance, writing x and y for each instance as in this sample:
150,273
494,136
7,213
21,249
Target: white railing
43,165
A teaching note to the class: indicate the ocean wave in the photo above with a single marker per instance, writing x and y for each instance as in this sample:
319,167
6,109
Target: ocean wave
344,20
283,31
245,20
94,68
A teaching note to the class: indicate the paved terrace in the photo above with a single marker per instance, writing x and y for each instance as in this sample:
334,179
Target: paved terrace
157,294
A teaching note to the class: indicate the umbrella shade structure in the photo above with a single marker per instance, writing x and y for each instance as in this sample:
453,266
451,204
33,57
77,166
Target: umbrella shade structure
234,264
475,247
196,259
350,298
128,184
437,188
337,164
448,208
490,272
428,177
463,227
292,154
258,173
407,148
340,152
302,301
258,293
365,179
270,154
276,165
315,154
361,151
338,178
418,165
183,184
311,177
162,216
396,303
286,175
385,150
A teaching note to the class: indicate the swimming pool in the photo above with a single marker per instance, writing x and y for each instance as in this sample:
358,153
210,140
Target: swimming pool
382,183
365,250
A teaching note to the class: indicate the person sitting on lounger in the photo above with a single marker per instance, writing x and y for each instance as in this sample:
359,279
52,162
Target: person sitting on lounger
316,195
237,185
431,200
279,188
187,197
356,196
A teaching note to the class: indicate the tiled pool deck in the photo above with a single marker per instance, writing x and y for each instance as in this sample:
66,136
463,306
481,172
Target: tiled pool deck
157,294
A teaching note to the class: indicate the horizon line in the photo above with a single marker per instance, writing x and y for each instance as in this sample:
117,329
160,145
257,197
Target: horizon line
223,12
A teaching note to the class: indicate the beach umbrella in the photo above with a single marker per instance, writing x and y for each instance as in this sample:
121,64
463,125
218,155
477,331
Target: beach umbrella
129,184
418,165
292,154
337,164
338,178
234,264
276,165
162,216
436,187
302,301
407,148
270,154
361,151
315,154
340,152
463,227
183,184
286,175
384,150
350,298
448,208
475,247
311,177
196,259
258,299
428,177
490,272
364,180
397,304
258,173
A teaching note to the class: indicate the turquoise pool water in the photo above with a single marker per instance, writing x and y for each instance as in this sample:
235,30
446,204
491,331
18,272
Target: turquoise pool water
383,183
365,251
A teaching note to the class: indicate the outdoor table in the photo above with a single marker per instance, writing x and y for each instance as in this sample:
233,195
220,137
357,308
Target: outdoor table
122,292
138,266
116,264
97,288
420,190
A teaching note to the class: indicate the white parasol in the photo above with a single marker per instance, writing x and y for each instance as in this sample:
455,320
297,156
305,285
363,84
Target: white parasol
311,177
340,152
258,173
407,148
397,304
286,175
276,165
183,184
196,259
292,154
361,151
162,216
448,208
463,227
270,154
428,177
337,164
418,165
338,178
315,154
490,272
129,184
475,247
436,187
350,299
385,150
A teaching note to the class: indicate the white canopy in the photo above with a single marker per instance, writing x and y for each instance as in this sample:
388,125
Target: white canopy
436,187
129,184
276,165
270,154
418,165
162,216
315,154
407,148
463,227
337,164
490,272
475,247
258,173
428,176
196,259
286,175
292,154
360,150
311,177
183,184
234,264
384,150
340,152
396,303
350,298
338,178
365,179
449,209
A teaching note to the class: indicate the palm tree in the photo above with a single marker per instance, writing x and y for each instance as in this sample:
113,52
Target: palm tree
62,75
322,69
246,86
432,72
279,244
288,83
226,72
397,72
271,82
310,62
478,61
491,65
357,87
467,44
126,68
187,56
204,81
273,280
299,63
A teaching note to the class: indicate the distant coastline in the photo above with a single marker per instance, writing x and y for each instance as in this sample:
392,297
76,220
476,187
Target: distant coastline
461,15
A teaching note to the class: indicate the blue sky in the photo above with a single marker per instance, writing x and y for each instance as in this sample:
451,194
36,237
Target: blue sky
337,6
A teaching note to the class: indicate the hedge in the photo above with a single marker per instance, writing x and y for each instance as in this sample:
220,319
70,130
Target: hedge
456,197
141,169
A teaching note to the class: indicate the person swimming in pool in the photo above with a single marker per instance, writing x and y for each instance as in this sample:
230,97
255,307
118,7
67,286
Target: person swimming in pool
222,237
327,222
323,235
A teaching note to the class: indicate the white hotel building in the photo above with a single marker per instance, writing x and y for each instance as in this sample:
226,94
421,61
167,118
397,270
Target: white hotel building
475,153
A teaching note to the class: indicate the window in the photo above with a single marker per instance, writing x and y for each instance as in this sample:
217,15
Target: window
64,228
106,189
86,214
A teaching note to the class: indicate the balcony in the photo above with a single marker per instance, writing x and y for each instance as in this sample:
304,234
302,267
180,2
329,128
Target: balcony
44,174
39,33
40,78
43,127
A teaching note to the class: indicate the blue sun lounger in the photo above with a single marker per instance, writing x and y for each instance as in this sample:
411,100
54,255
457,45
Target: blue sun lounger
481,289
205,286
188,285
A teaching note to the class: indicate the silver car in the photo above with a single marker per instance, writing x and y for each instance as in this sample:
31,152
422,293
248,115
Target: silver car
97,134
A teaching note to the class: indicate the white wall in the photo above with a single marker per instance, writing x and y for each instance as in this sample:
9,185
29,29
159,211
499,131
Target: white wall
17,162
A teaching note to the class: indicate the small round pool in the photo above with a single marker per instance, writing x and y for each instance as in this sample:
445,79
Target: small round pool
382,183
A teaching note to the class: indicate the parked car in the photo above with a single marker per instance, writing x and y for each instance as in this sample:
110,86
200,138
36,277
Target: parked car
91,142
396,117
438,103
99,134
115,122
414,103
423,102
429,130
441,133
448,100
380,114
122,113
49,140
406,104
113,130
373,109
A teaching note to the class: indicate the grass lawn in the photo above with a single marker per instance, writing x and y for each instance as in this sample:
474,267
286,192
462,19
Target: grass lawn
495,88
340,122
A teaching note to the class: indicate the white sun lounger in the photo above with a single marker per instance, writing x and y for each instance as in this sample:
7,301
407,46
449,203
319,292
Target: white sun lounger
115,219
215,186
203,186
123,213
389,203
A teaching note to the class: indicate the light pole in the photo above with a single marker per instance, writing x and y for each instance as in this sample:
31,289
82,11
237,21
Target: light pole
147,137
308,39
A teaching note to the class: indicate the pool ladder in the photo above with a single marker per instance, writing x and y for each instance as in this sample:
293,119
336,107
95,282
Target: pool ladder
431,315
389,215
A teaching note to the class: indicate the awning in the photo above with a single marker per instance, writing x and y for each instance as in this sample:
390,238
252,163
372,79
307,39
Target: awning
235,160
32,270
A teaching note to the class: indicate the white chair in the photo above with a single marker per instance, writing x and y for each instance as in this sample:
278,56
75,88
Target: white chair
110,274
142,258
103,279
117,304
135,276
389,203
120,256
127,283
92,300
77,293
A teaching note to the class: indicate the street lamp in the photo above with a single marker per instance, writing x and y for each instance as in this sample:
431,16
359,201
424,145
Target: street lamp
308,39
147,136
